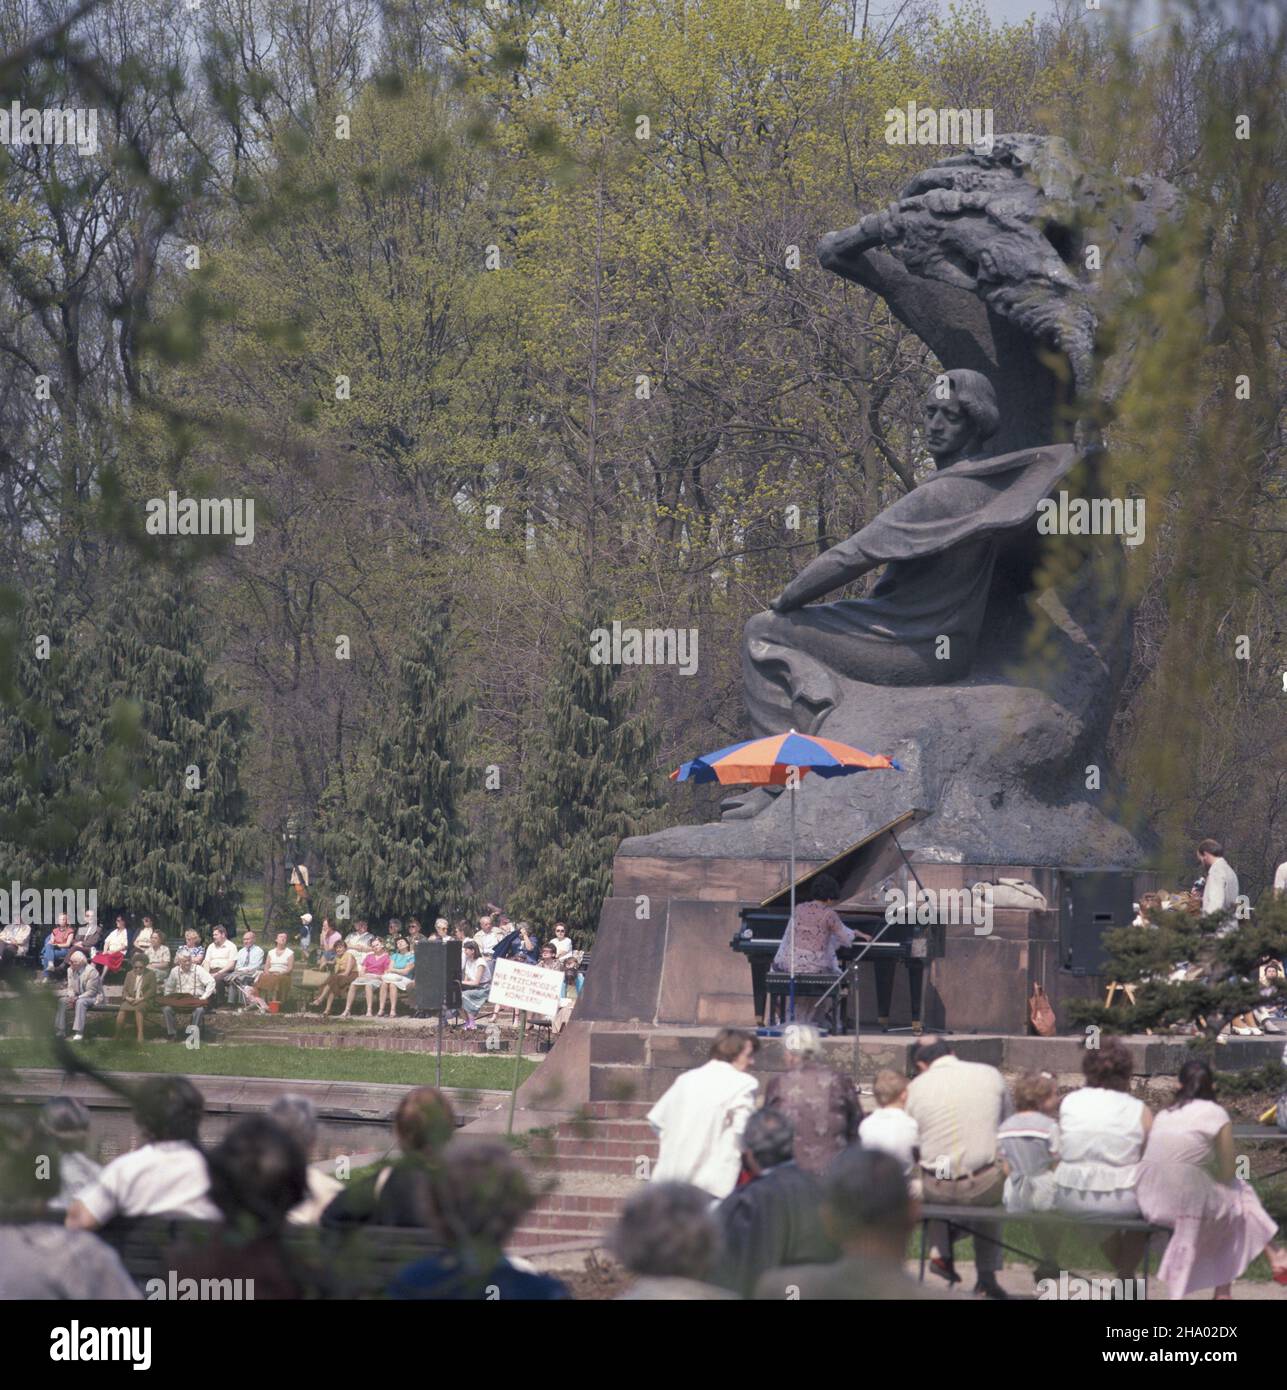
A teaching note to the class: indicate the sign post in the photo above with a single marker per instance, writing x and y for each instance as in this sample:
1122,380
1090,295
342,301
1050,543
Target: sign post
528,989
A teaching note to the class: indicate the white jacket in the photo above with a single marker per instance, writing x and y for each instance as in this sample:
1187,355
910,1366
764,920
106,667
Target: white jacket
700,1121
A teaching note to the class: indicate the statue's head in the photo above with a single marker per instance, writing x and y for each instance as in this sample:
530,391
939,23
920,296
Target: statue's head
960,414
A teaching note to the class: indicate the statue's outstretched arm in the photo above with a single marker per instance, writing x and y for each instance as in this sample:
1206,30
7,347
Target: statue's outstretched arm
832,570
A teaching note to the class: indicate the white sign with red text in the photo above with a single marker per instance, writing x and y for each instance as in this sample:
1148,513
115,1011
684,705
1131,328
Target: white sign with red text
529,987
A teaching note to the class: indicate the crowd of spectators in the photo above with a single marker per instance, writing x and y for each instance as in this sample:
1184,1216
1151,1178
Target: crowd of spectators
183,983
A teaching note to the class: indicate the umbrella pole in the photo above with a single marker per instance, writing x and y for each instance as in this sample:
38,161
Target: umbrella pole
792,1009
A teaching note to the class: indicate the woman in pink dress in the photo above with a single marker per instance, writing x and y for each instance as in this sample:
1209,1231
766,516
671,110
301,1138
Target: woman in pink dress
1218,1225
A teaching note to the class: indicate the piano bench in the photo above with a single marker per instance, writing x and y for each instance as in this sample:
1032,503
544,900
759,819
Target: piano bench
777,985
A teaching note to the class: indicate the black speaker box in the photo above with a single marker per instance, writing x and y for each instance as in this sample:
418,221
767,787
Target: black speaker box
437,976
1093,903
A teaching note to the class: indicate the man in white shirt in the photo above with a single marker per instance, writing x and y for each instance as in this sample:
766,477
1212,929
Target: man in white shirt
167,1176
14,941
1220,891
248,967
701,1117
562,941
220,959
191,978
82,989
487,937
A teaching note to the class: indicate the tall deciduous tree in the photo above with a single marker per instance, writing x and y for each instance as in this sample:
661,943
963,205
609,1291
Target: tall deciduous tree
590,779
167,838
402,845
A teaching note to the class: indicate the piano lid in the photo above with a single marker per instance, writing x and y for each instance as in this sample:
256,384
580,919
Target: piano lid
862,866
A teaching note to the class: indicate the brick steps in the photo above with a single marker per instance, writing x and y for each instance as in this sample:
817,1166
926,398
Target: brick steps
602,1149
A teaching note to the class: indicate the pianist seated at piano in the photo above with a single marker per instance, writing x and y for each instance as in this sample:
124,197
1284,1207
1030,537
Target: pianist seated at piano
809,944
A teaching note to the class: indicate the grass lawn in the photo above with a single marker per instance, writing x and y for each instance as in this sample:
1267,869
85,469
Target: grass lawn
276,1060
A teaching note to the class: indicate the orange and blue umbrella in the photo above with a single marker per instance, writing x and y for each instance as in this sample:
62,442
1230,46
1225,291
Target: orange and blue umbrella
770,762
767,762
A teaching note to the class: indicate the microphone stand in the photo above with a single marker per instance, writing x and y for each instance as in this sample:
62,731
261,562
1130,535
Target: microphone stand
852,968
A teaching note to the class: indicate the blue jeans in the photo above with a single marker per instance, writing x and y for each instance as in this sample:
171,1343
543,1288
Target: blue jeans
51,955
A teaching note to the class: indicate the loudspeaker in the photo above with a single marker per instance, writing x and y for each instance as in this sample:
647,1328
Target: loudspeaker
1092,904
437,976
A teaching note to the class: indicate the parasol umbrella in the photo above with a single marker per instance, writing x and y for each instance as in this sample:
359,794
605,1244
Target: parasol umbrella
781,760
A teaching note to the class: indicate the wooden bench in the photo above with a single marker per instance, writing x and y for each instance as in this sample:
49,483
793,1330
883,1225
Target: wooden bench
353,1261
963,1220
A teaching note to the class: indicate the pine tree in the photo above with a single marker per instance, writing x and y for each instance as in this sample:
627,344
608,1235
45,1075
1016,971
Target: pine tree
168,837
401,845
1226,986
590,780
42,808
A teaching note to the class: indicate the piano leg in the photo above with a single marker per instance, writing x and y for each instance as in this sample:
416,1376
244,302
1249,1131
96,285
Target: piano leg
885,986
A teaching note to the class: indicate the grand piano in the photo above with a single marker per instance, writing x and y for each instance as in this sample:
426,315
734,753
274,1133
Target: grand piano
864,872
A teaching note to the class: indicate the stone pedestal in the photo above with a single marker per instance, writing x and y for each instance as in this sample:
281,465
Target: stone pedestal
662,956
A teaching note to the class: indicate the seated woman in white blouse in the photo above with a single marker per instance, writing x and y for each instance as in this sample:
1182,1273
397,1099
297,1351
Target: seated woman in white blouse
1102,1133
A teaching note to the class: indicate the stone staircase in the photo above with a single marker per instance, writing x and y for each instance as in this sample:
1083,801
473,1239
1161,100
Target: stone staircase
595,1163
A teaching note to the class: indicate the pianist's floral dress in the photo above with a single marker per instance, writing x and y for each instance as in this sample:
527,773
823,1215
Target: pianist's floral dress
818,934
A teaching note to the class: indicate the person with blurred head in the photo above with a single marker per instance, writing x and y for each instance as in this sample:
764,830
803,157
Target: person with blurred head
138,995
370,977
188,981
38,1258
111,956
273,983
1188,1183
81,991
167,1175
157,951
891,1130
957,1107
336,985
298,1117
475,982
402,1193
192,944
772,1217
822,1105
15,939
57,946
65,1122
700,1119
89,934
258,1176
669,1239
220,961
1102,1133
330,942
398,977
870,1215
481,1194
487,936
